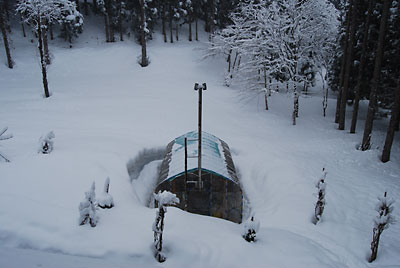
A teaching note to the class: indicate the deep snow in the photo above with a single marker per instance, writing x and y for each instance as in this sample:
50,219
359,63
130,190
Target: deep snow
105,109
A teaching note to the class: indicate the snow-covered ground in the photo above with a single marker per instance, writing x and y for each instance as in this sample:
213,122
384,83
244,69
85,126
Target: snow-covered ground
105,109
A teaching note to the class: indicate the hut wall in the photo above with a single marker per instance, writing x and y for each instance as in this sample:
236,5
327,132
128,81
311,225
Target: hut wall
219,196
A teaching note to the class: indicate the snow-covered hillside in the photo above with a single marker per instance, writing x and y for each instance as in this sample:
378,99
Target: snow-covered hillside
105,109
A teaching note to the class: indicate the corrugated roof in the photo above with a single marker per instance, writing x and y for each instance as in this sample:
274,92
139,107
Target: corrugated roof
216,157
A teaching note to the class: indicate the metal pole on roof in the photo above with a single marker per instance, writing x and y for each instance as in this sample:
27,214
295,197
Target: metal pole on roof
200,88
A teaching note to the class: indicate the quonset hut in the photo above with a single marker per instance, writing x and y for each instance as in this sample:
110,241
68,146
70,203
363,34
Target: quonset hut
220,194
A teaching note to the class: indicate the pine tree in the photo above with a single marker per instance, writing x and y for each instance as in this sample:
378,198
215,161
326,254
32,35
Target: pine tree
46,143
381,222
251,227
2,138
320,205
164,199
87,208
105,200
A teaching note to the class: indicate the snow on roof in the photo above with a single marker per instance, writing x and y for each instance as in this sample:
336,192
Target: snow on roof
216,157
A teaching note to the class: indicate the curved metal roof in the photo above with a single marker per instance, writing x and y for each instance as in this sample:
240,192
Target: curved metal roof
216,157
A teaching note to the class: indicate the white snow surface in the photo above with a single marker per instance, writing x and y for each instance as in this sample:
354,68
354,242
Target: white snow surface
105,108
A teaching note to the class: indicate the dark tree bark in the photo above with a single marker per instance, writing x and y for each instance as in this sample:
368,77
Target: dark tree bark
51,32
177,30
392,126
190,27
23,27
46,46
144,62
42,60
348,66
361,68
164,32
212,18
110,22
397,124
170,25
77,5
342,67
106,26
5,39
86,7
372,106
197,28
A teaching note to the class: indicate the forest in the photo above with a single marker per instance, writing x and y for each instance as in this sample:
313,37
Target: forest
350,46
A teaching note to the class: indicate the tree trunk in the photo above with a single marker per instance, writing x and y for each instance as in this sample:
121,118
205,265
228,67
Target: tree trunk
77,5
46,46
361,69
397,124
106,27
110,21
170,25
86,7
164,32
392,125
177,30
144,61
375,79
190,28
51,32
196,27
348,66
212,9
95,5
23,27
342,67
42,61
5,39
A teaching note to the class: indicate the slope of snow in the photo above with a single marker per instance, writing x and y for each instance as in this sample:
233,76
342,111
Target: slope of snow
105,108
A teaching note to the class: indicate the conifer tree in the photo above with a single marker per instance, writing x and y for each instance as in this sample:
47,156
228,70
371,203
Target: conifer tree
381,222
87,208
46,143
320,205
163,199
105,200
251,227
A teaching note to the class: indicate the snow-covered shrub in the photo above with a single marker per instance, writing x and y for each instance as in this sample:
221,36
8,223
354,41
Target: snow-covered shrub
2,138
251,227
87,208
46,143
320,205
381,222
105,200
164,199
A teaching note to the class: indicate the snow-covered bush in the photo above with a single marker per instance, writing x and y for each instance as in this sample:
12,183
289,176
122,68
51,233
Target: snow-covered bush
320,205
87,208
105,200
2,138
251,227
163,199
381,222
46,143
